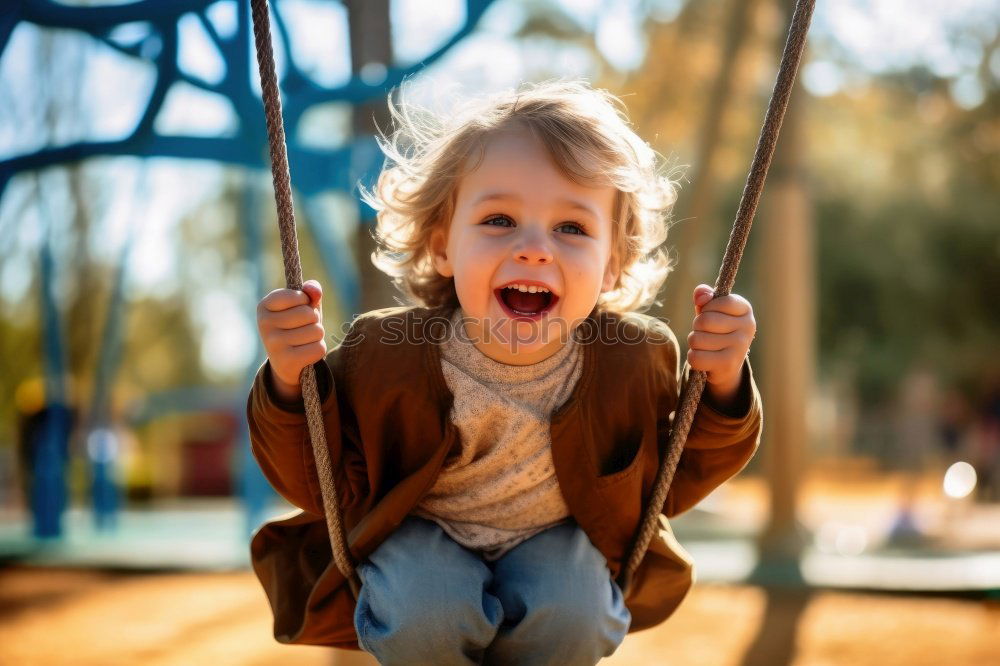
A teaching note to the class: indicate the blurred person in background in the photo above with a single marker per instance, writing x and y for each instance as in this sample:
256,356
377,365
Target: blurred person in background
986,452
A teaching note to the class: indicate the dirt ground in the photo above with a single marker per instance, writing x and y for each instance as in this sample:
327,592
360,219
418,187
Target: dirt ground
60,616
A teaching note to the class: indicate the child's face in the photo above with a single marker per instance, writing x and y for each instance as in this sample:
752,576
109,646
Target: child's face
519,220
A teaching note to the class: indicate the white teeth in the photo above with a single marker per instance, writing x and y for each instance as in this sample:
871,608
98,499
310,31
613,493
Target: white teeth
531,289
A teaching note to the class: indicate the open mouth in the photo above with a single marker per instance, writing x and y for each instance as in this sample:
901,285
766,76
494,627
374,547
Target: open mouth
525,301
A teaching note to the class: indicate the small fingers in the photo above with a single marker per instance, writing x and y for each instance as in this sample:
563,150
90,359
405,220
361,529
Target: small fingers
297,336
703,293
731,304
288,366
311,353
703,341
314,291
299,315
713,361
282,299
716,322
735,345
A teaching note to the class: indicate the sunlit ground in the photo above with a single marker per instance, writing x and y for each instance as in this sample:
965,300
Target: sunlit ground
53,615
87,617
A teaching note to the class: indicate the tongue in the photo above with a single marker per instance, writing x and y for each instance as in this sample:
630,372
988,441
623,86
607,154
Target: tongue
525,301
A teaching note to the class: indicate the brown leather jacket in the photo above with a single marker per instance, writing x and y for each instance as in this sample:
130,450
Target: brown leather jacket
389,431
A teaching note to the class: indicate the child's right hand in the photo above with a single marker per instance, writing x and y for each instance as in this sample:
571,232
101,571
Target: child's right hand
290,324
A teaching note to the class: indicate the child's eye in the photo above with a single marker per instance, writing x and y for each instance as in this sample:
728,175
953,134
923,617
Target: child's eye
573,227
499,221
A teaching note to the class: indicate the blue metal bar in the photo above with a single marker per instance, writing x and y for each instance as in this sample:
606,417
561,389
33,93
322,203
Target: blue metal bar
48,490
315,170
8,19
95,19
212,32
167,71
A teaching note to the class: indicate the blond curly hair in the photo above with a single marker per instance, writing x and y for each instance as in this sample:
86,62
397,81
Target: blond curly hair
587,133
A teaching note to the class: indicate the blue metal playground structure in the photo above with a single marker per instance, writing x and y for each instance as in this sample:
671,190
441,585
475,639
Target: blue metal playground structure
313,171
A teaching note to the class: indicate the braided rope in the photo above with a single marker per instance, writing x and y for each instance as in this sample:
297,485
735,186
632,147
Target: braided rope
790,59
293,279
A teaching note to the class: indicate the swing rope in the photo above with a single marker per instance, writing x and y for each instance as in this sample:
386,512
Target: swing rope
293,279
790,59
681,426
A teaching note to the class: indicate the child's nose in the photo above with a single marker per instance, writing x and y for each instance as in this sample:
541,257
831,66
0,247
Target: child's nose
533,250
534,255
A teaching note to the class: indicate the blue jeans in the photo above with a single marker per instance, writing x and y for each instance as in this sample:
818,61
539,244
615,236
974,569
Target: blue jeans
425,599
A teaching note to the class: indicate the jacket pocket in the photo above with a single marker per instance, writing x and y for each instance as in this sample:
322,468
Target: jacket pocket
623,460
620,502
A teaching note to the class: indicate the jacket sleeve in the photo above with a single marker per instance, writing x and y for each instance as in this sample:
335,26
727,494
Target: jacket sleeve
719,444
279,435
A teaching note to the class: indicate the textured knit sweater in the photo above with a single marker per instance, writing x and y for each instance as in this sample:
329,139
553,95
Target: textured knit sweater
500,488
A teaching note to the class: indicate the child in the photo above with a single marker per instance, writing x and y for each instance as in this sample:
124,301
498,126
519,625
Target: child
494,445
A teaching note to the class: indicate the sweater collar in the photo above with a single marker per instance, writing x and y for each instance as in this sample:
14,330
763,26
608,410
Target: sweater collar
432,360
459,350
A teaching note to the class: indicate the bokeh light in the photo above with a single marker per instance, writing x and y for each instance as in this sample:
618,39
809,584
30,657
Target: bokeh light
959,480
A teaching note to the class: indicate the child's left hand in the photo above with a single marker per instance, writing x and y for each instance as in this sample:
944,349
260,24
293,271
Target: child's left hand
720,341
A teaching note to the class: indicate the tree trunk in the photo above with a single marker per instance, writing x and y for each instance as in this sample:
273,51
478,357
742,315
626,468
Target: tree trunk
371,43
786,313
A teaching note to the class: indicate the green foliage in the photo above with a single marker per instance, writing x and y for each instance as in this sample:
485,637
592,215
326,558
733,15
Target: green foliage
903,285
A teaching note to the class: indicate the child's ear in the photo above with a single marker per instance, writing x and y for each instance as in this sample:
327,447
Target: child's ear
611,272
439,252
